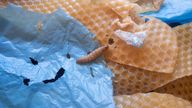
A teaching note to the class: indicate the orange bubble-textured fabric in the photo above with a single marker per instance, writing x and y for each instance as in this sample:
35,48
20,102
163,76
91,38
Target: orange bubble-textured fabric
150,100
129,80
181,88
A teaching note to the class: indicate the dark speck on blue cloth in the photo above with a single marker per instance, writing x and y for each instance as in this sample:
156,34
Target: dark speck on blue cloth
26,81
68,56
33,61
49,81
58,75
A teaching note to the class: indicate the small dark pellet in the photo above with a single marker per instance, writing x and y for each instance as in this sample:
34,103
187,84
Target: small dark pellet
33,61
68,56
26,81
110,41
49,81
59,73
57,76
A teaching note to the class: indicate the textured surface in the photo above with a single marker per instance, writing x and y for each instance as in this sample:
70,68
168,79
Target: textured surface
99,18
150,5
151,100
102,19
158,53
123,7
184,62
130,80
181,88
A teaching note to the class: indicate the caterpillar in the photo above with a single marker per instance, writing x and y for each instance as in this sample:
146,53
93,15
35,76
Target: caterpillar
93,55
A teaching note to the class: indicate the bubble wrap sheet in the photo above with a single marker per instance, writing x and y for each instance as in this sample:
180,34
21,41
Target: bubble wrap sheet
130,80
182,87
59,34
150,100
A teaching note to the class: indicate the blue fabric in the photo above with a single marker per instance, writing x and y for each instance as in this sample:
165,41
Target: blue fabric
61,34
174,12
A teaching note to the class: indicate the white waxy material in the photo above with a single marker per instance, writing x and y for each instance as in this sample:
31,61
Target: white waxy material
134,39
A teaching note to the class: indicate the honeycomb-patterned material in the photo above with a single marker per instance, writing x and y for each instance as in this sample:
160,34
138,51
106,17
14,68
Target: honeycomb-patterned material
123,7
150,5
45,6
98,19
159,52
129,80
151,100
145,5
181,88
185,50
3,3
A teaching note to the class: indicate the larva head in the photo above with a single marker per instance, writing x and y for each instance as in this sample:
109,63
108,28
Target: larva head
105,47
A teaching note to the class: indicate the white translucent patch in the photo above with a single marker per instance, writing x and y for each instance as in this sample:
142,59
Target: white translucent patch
134,39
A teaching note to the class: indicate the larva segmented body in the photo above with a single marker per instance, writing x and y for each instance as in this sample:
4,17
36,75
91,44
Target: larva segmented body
93,55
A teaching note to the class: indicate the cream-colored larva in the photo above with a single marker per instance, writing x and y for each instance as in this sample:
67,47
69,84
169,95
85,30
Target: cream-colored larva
93,55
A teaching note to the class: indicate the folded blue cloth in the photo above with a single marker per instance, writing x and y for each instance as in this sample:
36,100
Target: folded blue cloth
38,67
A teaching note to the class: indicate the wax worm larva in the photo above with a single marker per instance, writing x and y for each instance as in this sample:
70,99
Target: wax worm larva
93,55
